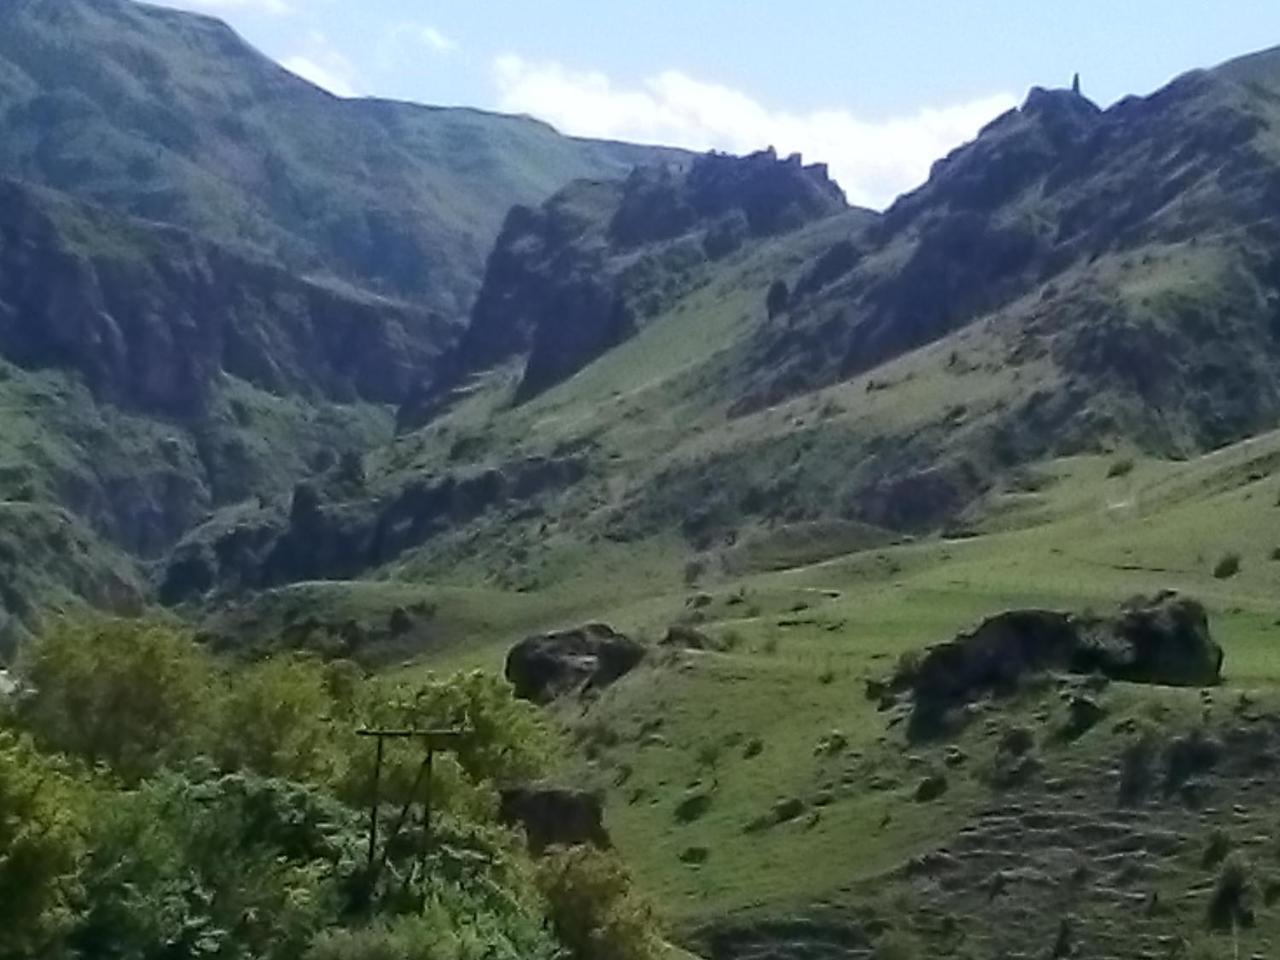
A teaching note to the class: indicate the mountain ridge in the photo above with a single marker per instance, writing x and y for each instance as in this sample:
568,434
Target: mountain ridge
1032,252
197,128
148,312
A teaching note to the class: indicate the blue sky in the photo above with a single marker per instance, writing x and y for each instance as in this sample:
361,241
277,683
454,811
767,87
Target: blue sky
876,88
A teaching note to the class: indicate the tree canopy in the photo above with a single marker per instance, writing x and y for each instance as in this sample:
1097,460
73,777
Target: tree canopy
156,802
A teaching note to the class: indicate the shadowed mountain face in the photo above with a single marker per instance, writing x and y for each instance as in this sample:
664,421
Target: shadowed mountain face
170,116
1086,211
152,317
216,278
222,290
568,281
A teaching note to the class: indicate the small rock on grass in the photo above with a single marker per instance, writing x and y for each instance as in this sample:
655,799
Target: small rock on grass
931,788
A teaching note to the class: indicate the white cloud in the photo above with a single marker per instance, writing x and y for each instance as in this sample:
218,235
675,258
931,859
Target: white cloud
437,40
874,160
331,78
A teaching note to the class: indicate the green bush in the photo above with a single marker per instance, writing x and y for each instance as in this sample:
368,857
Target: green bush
1231,905
133,695
443,932
211,865
277,720
1120,468
42,815
594,909
509,741
225,815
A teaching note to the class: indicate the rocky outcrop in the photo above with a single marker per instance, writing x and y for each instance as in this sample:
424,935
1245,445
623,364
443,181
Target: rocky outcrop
919,499
555,816
680,636
577,276
550,666
1016,221
771,196
324,537
152,317
1162,640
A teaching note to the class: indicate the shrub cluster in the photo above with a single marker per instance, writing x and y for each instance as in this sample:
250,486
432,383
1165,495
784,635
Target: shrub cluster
156,802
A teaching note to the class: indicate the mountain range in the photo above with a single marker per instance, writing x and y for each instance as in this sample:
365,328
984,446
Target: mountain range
402,384
230,280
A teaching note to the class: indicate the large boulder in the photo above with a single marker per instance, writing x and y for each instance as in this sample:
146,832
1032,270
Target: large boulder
993,657
1158,640
549,666
1162,640
555,816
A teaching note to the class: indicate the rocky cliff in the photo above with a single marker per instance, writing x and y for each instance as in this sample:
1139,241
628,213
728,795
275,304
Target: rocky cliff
153,317
577,276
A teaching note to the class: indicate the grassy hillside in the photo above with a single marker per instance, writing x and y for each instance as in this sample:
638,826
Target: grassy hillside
776,723
1047,378
988,321
1096,422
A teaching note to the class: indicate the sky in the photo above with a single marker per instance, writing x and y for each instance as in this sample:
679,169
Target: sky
877,89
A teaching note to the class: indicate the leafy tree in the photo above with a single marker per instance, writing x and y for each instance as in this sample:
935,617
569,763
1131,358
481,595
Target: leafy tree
181,858
479,900
508,740
280,718
42,812
132,694
452,930
215,866
594,909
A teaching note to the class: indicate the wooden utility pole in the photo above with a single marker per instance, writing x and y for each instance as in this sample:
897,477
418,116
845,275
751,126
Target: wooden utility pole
432,741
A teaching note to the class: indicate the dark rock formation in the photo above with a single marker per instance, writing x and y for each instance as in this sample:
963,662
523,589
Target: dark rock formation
590,318
918,499
772,195
575,277
340,538
549,666
152,317
931,788
1161,640
555,817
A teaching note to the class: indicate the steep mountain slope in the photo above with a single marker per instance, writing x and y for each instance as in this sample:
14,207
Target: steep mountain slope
151,317
177,340
1075,280
170,116
704,394
216,279
600,260
1144,231
564,284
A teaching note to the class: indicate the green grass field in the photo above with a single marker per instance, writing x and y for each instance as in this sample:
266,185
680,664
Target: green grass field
749,728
